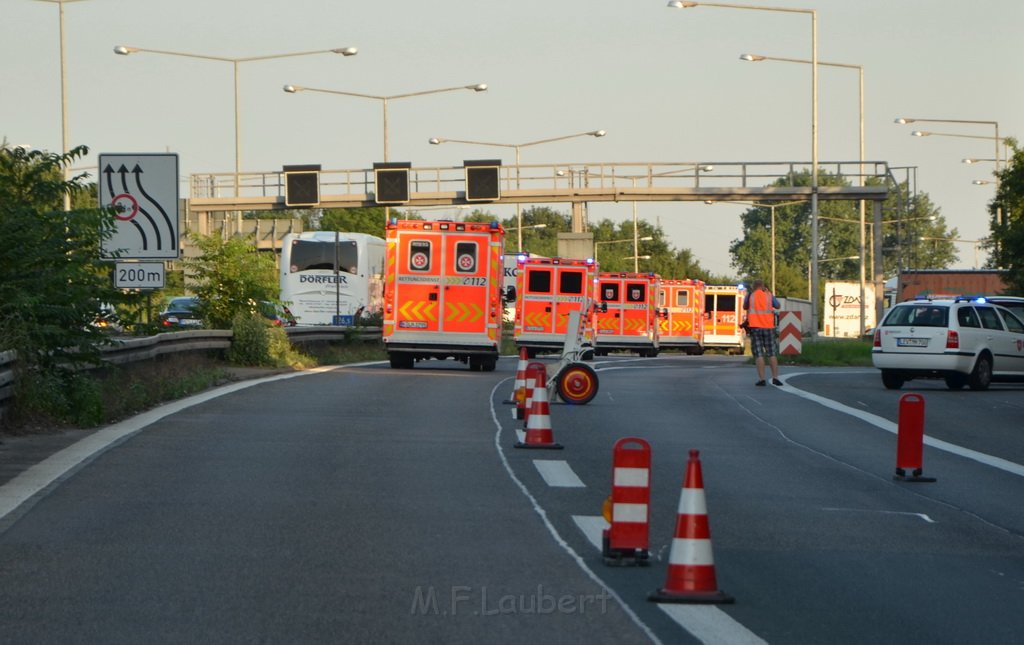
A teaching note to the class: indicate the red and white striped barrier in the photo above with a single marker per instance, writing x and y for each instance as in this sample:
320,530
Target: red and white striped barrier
790,332
691,565
626,541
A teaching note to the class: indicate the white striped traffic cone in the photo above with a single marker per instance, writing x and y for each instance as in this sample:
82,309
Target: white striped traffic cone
538,422
691,566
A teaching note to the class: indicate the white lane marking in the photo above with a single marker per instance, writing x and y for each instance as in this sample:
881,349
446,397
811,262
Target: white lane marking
923,516
18,490
539,510
707,623
710,625
889,426
593,528
557,473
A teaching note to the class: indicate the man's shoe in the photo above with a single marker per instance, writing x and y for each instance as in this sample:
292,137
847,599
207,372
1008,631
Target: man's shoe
760,383
776,381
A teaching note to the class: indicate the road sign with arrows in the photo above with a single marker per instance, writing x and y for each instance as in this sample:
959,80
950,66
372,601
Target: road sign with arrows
143,190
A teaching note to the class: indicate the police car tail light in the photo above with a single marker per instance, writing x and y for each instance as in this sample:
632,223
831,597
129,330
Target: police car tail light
878,338
952,340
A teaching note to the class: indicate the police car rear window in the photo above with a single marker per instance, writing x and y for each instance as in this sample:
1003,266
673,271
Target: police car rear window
919,316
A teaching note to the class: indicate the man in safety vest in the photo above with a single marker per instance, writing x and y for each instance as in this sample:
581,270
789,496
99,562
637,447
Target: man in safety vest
761,306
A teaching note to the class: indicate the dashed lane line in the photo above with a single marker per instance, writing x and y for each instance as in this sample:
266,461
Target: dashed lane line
557,473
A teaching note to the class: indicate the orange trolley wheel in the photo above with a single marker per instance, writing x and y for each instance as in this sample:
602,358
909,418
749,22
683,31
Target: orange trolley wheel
577,384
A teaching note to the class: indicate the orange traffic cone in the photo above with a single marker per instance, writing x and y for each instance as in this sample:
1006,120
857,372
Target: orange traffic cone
691,566
538,422
519,385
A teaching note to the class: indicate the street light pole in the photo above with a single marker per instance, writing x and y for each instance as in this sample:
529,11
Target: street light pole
295,89
122,50
861,204
436,141
63,93
995,124
646,238
679,4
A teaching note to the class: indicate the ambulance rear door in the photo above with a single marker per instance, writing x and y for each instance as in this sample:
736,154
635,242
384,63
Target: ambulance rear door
419,258
572,291
467,269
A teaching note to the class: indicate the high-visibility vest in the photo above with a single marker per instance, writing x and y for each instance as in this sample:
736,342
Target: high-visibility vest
759,311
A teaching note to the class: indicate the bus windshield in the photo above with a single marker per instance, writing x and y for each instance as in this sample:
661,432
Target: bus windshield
309,255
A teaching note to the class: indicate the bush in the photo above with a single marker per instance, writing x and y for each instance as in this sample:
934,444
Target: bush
250,344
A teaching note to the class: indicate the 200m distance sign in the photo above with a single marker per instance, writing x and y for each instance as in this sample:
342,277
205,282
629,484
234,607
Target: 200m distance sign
143,190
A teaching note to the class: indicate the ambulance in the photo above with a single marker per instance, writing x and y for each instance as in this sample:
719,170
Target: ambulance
723,312
628,317
547,290
442,292
682,325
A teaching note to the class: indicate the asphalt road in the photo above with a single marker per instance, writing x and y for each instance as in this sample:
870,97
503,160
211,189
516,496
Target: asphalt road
367,504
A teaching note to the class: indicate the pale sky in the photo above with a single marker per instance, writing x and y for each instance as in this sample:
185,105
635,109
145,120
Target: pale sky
666,84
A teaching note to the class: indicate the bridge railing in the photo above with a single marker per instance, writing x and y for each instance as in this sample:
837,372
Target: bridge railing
358,183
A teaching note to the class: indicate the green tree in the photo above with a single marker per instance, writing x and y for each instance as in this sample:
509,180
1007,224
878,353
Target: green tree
906,219
52,280
357,220
1006,221
231,277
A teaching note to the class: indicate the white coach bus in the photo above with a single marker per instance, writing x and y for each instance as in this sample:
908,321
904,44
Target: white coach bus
330,277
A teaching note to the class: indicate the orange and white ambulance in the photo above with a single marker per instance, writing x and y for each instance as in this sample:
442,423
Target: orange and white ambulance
682,325
547,291
442,292
628,317
723,312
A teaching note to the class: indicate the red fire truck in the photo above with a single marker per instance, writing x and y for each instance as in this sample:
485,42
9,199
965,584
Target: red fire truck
628,318
442,292
683,326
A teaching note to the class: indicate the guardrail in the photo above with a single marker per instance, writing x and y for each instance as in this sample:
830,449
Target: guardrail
128,350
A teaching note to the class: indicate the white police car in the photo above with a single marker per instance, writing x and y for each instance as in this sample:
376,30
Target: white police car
963,341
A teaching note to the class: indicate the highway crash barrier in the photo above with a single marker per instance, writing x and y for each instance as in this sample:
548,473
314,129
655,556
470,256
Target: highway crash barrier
626,541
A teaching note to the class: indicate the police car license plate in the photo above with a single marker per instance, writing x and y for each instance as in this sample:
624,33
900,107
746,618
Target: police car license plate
911,342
